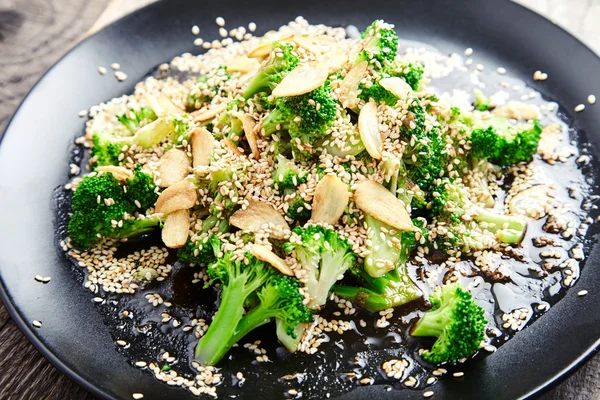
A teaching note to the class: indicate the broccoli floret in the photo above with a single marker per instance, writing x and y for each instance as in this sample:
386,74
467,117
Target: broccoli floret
425,157
287,176
207,88
411,73
101,208
325,256
470,226
393,289
504,144
278,297
273,70
229,125
297,210
481,103
306,117
107,146
200,252
456,321
379,43
134,119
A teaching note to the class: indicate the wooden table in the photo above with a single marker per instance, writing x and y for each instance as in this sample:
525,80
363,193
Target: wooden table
35,33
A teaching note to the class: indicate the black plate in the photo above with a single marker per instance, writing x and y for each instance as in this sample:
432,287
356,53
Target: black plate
34,161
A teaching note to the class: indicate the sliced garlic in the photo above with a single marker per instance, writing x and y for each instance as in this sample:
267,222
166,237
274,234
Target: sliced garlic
203,144
120,173
264,254
375,200
174,167
249,130
334,59
258,215
302,79
176,228
208,113
330,200
180,196
350,83
368,126
241,64
162,105
397,86
519,111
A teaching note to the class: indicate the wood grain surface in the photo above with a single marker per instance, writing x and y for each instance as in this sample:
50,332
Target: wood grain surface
34,34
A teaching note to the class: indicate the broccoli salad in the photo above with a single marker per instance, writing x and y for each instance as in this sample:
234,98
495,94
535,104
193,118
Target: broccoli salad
313,189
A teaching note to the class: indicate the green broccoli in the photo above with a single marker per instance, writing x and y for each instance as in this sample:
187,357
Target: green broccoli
306,117
287,176
273,70
504,144
101,208
207,88
379,43
481,103
456,321
325,256
229,125
134,119
278,297
394,288
200,252
470,226
411,73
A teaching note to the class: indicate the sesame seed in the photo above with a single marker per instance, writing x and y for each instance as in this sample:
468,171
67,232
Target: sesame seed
83,113
223,32
121,76
251,26
582,293
198,42
579,108
458,374
102,70
195,30
480,67
591,99
468,51
428,394
115,66
501,70
220,21
539,76
137,396
37,324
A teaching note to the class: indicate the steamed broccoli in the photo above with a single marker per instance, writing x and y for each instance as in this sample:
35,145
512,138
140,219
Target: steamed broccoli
379,43
325,256
273,70
287,176
481,103
136,118
504,144
200,252
229,125
456,321
306,117
101,208
207,88
470,226
107,146
278,297
393,289
411,73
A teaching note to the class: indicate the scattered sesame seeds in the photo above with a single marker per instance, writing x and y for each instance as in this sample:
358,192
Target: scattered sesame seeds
102,70
579,107
137,396
121,76
591,99
37,324
428,394
223,32
42,279
141,364
458,374
468,51
220,21
195,30
501,70
539,76
582,293
198,42
115,66
479,67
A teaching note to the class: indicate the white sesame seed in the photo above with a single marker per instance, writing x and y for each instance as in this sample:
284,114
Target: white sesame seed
458,374
37,324
141,364
83,113
198,42
428,394
102,70
115,66
591,99
501,70
468,51
251,26
121,76
579,108
582,293
121,343
223,32
195,30
137,396
220,21
480,67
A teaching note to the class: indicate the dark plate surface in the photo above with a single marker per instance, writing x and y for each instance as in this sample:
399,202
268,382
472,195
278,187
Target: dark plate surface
34,161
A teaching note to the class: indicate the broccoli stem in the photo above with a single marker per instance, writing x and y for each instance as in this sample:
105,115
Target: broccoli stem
258,316
216,342
291,343
137,227
433,322
508,228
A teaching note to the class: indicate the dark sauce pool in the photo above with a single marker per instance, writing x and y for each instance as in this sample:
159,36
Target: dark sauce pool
343,361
